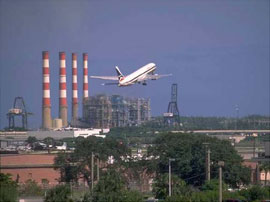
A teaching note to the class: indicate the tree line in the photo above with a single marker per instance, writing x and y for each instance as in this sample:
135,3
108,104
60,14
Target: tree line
188,170
251,122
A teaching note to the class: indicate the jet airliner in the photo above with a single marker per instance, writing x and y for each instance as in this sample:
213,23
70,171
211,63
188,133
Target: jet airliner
140,76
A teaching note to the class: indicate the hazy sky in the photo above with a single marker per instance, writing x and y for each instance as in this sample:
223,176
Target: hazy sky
218,51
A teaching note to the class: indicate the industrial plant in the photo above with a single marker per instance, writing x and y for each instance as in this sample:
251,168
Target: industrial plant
99,111
103,111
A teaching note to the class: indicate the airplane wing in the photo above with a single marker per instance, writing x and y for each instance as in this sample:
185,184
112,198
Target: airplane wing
156,76
109,84
113,78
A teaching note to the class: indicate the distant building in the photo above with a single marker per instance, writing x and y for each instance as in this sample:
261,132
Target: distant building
120,111
258,174
12,140
139,111
37,167
102,111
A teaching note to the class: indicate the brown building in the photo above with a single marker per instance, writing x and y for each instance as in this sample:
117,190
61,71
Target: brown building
37,167
258,175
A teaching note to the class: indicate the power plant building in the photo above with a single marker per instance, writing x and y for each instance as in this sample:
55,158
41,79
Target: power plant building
139,111
102,111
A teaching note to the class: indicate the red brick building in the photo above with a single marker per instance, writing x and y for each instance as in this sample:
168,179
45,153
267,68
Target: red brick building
37,167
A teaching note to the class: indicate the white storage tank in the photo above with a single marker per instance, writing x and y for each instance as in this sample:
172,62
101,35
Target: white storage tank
57,123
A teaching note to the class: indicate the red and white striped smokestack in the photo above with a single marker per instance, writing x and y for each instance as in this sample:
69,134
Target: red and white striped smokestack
85,82
62,89
46,100
85,76
74,89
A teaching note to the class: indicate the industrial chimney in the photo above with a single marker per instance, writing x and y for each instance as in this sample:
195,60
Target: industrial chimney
46,100
62,89
85,80
74,89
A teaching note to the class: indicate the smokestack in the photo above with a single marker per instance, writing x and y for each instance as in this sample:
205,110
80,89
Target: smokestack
85,76
46,100
62,89
74,89
85,80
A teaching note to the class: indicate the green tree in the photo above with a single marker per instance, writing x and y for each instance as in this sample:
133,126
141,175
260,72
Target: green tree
178,198
137,170
213,185
8,188
30,188
79,162
58,194
255,193
205,196
31,140
161,186
189,152
64,163
233,195
131,196
49,141
111,188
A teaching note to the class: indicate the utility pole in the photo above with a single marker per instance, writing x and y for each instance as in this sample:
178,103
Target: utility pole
170,177
258,182
70,184
92,171
237,116
220,164
207,162
97,168
254,145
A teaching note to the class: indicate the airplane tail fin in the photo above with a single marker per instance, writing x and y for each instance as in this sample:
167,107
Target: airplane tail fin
119,74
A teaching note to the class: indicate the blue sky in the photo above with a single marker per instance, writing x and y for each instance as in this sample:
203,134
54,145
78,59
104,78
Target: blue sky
218,51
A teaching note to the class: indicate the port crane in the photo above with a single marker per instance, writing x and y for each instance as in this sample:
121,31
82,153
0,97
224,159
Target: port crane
18,109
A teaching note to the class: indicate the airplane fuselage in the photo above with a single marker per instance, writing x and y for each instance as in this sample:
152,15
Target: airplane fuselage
138,75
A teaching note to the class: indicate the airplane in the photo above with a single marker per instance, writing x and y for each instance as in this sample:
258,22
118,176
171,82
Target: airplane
139,76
